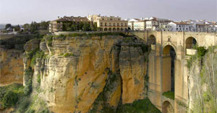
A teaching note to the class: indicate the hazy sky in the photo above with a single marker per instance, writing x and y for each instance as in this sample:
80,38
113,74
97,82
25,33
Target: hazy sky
25,11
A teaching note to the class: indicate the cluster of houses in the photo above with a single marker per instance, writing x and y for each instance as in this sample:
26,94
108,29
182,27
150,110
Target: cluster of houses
11,29
159,24
113,23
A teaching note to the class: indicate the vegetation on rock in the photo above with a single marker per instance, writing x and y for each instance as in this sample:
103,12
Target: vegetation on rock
101,103
201,51
68,54
169,94
203,71
139,106
10,94
81,26
16,42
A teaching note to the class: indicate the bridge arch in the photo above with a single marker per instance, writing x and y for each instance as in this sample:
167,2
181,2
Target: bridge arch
190,42
169,44
151,40
167,107
168,68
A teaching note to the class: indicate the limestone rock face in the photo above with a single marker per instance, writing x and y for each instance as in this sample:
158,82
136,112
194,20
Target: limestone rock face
132,69
31,45
11,66
84,74
43,46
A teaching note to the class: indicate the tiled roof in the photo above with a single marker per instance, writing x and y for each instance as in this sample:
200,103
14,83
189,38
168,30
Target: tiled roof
181,23
72,18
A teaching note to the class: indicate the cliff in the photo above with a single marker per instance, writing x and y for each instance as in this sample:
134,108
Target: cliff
90,73
11,58
202,80
11,63
83,74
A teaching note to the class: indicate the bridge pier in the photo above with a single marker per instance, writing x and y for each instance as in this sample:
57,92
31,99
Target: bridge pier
160,65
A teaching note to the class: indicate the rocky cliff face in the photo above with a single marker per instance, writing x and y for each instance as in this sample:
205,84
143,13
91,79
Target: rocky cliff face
202,80
89,74
11,58
11,66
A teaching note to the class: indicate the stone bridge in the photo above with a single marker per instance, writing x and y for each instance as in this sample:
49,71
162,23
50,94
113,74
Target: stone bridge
168,70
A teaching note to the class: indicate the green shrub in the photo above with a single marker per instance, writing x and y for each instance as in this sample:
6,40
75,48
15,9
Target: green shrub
139,106
10,99
37,54
30,54
48,39
201,51
169,94
23,104
39,79
28,81
9,95
68,54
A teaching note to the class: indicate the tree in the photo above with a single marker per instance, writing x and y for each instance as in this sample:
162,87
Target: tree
26,27
44,25
8,26
17,28
86,27
34,27
93,26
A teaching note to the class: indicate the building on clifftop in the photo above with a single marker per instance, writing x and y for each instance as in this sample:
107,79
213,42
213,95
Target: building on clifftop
109,23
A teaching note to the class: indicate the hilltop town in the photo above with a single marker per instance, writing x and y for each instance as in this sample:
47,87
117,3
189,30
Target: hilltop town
112,23
116,23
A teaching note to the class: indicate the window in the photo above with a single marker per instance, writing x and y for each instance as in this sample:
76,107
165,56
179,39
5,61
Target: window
113,24
105,24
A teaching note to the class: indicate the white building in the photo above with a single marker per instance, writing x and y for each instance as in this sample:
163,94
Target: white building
140,25
180,26
156,24
109,23
131,23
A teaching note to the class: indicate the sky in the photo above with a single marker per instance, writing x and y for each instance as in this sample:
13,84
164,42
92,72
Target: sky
26,11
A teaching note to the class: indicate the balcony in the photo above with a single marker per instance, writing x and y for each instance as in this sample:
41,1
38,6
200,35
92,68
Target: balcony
191,51
152,46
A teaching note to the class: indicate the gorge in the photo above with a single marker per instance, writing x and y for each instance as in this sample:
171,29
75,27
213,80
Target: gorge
102,72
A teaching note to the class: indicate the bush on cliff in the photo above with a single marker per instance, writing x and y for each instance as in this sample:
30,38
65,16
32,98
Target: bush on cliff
139,106
169,94
28,81
204,81
9,95
37,54
201,51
